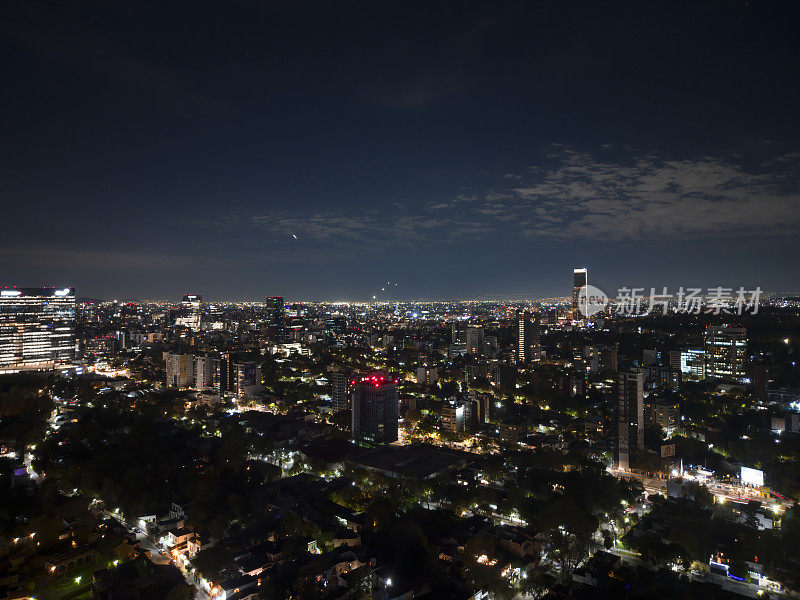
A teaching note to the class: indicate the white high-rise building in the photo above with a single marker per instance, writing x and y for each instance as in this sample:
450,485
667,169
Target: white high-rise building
693,364
37,329
580,278
190,312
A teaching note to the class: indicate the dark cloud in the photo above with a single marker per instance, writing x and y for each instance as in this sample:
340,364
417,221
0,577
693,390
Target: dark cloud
147,147
61,35
582,196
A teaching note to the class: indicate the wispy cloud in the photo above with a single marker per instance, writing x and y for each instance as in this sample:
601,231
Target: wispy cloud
646,196
382,229
574,196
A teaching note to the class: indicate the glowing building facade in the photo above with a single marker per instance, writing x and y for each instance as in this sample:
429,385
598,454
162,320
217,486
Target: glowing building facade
340,387
37,329
580,278
529,337
190,312
726,352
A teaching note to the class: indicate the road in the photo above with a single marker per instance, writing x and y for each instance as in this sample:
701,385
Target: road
153,551
156,555
729,492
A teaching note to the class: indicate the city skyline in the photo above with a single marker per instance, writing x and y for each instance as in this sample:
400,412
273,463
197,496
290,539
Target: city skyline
481,155
378,301
621,297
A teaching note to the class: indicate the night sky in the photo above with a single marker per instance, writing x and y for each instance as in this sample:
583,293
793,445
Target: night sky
461,149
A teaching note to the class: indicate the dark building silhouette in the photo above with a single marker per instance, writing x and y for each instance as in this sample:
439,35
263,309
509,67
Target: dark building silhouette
341,379
276,318
374,410
630,416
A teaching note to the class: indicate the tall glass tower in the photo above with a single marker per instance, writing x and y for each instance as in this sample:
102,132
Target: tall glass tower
580,278
375,410
37,328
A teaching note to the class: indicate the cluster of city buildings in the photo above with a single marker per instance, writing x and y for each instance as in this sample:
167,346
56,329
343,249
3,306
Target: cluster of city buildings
38,331
466,378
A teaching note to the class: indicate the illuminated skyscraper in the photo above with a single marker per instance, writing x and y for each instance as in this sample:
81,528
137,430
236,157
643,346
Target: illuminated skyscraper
692,364
630,416
453,416
190,312
458,338
340,387
580,279
663,413
231,375
529,334
476,340
726,351
37,328
375,410
246,379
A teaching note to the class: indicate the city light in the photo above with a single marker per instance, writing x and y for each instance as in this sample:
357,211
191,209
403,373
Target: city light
586,384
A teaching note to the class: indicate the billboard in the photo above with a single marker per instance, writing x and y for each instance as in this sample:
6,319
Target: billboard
667,450
752,476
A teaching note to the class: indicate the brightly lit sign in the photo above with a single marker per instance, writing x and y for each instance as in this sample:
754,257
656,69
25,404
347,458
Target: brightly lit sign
752,476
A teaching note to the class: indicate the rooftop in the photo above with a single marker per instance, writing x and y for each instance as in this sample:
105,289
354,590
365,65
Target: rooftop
416,461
